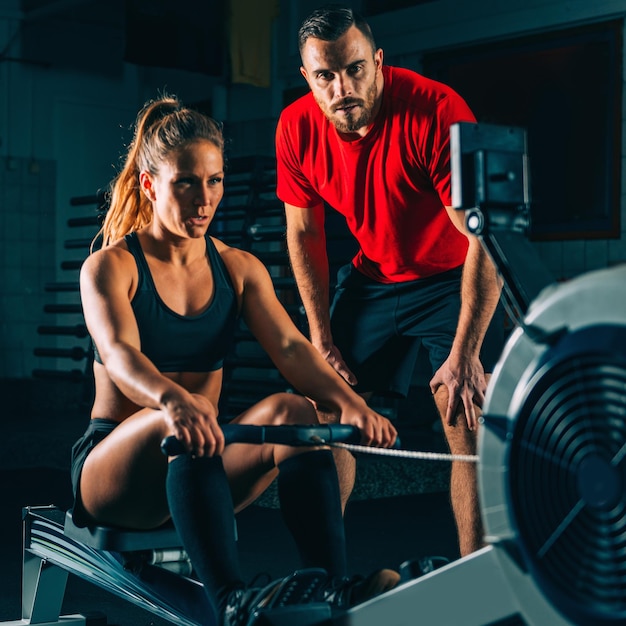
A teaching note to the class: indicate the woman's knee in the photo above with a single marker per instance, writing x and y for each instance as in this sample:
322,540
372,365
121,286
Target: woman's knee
285,408
294,409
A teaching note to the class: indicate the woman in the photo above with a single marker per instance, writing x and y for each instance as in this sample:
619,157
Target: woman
161,300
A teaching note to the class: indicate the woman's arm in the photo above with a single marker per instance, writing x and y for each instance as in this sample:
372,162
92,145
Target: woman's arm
296,358
106,282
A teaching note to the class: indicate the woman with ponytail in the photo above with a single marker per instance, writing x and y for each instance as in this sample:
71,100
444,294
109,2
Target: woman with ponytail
161,299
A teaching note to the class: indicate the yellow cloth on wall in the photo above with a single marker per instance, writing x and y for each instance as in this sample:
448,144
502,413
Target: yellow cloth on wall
251,40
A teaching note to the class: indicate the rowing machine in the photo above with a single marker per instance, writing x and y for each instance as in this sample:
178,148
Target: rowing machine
150,568
552,448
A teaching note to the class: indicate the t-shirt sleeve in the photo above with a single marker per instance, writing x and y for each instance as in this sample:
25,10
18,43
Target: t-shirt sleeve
451,109
292,186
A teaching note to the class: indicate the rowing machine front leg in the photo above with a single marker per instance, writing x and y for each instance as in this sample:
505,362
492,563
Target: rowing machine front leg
43,590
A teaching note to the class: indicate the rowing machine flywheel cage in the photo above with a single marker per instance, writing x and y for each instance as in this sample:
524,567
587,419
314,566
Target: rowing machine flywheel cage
552,470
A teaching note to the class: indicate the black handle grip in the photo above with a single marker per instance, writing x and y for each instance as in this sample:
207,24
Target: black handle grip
290,435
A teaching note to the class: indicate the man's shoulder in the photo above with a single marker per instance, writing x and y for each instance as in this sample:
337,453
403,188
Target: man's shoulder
299,123
421,95
417,90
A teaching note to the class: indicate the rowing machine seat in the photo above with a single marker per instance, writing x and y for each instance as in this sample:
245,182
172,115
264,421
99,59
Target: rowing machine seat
115,539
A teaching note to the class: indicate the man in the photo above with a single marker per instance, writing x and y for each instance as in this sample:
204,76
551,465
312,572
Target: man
372,141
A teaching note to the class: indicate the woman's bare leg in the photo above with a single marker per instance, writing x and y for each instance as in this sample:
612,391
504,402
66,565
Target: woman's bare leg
123,479
344,460
308,488
251,468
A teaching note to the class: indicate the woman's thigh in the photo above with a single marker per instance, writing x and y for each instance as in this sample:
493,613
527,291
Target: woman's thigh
123,478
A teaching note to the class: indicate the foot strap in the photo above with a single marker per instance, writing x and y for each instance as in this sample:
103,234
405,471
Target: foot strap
294,602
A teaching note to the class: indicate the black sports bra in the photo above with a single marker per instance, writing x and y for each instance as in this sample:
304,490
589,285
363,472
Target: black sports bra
179,343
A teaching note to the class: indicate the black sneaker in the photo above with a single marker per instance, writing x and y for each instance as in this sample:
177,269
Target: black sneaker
342,593
244,604
414,568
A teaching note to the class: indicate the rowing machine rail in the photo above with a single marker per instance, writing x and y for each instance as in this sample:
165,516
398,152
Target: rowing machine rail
124,562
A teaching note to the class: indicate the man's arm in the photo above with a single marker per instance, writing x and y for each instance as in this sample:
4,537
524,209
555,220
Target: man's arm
462,372
306,242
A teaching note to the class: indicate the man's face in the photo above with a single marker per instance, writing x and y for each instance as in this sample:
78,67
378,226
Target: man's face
345,78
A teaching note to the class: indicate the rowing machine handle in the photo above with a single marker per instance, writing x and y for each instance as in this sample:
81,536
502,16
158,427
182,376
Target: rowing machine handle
290,435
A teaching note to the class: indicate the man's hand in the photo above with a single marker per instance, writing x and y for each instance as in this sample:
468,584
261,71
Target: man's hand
466,384
333,356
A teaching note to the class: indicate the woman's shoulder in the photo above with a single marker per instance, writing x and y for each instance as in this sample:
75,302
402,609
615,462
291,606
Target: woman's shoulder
240,263
232,254
115,257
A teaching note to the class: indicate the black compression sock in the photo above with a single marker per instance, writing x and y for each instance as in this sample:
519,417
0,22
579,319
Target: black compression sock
308,490
201,506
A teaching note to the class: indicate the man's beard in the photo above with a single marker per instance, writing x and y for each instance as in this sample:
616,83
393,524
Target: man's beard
352,122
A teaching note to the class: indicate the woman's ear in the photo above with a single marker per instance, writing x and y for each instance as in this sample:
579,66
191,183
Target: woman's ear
146,184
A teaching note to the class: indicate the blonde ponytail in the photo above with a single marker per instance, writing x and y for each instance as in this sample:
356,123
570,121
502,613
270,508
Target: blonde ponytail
161,127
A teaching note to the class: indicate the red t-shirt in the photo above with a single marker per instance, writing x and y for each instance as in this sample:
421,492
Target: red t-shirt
391,185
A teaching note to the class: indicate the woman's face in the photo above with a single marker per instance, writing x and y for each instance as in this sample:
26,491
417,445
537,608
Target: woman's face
187,189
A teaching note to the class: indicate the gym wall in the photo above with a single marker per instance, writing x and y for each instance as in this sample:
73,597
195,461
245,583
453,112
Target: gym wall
76,117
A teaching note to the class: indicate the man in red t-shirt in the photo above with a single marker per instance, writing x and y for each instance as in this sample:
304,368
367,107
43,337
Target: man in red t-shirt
372,142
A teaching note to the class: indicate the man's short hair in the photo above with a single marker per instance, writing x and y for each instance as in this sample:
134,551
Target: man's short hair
330,22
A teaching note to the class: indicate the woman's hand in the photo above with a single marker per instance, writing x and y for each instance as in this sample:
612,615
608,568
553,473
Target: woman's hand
376,430
192,419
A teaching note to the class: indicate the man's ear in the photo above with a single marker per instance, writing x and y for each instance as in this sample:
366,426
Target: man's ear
378,58
145,183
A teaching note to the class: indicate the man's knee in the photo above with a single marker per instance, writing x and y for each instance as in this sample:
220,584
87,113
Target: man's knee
460,438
